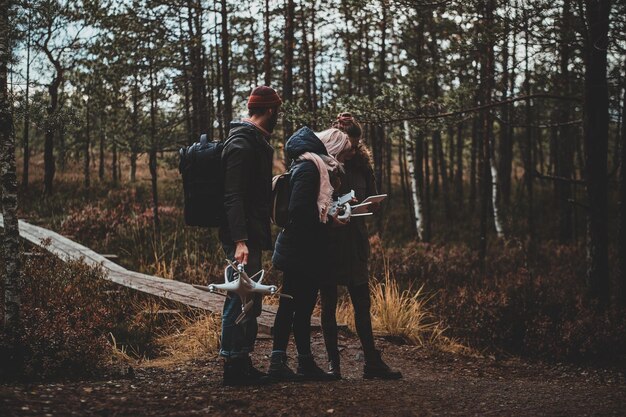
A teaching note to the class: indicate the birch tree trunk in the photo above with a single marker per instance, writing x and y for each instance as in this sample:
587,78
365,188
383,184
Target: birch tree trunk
415,197
8,182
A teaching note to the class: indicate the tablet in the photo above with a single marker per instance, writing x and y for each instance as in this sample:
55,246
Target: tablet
360,209
374,198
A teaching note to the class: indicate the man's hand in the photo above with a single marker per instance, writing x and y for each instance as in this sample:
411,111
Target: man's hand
241,252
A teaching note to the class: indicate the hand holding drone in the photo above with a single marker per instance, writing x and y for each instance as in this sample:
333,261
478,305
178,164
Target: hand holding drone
242,285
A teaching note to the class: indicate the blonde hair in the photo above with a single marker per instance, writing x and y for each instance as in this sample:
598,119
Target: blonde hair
335,140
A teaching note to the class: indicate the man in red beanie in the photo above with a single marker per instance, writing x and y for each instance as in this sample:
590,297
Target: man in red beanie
247,160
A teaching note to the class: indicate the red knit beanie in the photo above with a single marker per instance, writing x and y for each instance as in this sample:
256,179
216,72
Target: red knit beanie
264,97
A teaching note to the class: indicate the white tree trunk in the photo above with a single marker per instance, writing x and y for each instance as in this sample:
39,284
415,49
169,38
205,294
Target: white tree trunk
415,197
494,198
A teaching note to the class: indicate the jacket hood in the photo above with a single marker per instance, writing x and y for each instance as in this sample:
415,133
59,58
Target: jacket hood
304,140
242,126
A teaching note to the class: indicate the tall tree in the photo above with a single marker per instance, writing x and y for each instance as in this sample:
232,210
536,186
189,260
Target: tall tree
8,177
289,45
267,46
26,133
53,18
596,138
197,64
565,142
227,88
622,207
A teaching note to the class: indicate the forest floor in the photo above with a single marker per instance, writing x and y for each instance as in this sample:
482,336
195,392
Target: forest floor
434,383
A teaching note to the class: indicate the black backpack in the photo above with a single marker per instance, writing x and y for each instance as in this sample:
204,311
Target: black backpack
280,199
201,169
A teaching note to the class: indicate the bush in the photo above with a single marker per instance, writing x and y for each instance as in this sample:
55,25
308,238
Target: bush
540,310
65,320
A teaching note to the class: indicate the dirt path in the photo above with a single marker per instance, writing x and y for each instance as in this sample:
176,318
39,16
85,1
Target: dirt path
434,384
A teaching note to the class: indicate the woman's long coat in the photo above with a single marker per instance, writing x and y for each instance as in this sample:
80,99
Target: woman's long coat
302,245
349,246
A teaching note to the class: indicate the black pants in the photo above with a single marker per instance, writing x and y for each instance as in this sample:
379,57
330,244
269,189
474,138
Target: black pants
360,297
295,313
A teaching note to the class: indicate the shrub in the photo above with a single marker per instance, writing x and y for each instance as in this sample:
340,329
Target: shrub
538,310
65,318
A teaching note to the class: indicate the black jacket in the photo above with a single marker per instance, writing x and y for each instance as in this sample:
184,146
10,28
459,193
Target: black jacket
302,246
349,246
247,161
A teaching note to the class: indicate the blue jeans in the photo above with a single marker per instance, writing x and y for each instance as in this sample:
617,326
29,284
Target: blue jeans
238,339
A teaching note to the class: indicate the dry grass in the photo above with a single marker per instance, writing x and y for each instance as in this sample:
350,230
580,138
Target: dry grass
403,313
194,336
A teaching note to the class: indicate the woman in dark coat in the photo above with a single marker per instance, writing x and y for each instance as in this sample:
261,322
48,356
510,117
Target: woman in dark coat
301,249
349,251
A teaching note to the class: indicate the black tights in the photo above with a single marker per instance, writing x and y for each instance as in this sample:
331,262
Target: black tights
360,297
296,313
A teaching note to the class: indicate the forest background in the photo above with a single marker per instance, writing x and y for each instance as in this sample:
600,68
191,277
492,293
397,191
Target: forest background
496,127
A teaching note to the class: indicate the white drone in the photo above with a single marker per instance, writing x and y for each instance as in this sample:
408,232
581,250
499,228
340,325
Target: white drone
244,286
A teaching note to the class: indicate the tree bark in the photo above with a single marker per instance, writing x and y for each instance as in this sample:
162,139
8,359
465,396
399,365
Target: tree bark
622,208
289,45
134,145
48,156
306,59
506,141
458,179
565,142
200,111
102,140
596,135
87,145
8,182
267,57
185,73
413,178
152,154
26,139
427,234
228,95
528,159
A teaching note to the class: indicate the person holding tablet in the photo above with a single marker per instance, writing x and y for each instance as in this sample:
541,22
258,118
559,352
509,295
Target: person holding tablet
349,251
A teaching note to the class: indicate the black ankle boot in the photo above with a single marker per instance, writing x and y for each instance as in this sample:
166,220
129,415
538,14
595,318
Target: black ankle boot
334,368
253,372
375,367
278,370
240,372
234,371
308,369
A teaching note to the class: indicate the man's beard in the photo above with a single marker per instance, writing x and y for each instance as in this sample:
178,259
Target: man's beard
273,121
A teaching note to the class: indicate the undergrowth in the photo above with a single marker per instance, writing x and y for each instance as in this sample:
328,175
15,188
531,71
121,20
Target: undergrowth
533,305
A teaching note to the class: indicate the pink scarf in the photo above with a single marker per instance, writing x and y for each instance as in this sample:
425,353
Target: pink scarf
335,142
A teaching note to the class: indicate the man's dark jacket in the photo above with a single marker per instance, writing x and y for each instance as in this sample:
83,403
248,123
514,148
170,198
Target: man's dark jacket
302,246
247,161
